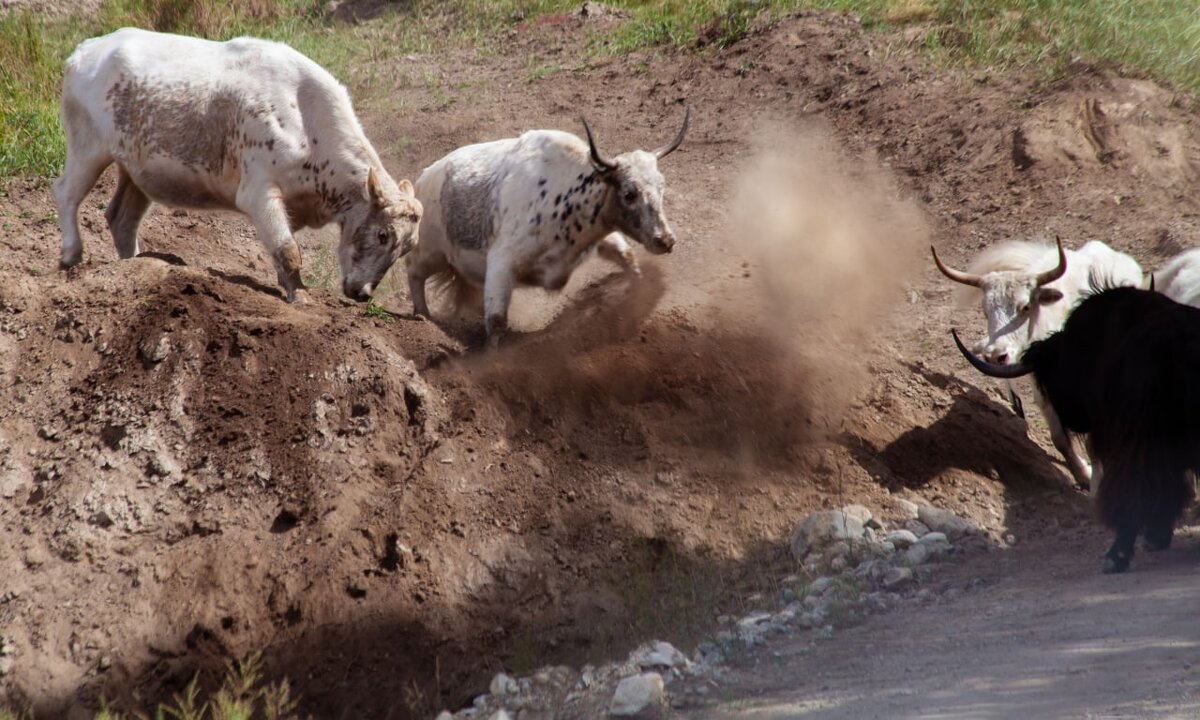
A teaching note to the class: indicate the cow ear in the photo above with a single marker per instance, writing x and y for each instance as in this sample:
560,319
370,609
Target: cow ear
406,188
1046,296
374,190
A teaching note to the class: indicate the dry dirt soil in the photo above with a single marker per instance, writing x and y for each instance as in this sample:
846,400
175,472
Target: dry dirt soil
191,470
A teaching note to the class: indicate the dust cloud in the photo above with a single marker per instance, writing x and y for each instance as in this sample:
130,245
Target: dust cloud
753,364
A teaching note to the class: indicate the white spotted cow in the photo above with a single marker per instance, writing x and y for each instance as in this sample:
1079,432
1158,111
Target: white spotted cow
527,210
245,125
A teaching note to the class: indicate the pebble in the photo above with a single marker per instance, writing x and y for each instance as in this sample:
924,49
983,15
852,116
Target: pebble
657,654
897,578
6,665
908,507
823,528
500,714
638,696
503,685
944,521
901,538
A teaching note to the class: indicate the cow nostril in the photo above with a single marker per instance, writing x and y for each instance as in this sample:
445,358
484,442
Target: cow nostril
1001,359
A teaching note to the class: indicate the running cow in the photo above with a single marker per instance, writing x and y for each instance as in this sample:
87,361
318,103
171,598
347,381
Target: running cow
1124,370
245,125
528,210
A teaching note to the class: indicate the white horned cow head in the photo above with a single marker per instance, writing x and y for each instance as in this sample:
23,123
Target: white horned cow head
1016,304
635,201
386,230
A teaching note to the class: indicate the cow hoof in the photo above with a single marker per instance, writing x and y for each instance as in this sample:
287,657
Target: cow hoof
66,264
1115,565
1156,544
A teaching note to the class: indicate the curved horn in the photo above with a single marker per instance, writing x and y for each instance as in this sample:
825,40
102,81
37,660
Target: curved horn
955,275
1051,275
1006,372
669,147
601,162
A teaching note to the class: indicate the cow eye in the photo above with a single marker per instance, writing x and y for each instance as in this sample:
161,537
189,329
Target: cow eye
384,236
630,196
1023,309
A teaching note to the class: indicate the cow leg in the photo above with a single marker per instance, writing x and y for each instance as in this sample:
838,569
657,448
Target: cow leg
497,294
419,269
125,213
616,249
265,207
1117,558
84,165
1079,467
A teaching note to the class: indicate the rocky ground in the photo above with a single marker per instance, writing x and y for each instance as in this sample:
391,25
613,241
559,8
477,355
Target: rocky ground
192,470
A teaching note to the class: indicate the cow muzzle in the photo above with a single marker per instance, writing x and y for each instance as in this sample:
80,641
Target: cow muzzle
661,244
360,293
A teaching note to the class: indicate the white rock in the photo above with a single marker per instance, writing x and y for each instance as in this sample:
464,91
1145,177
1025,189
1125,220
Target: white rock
901,538
500,714
657,654
822,529
896,578
820,585
917,554
444,715
638,696
916,527
503,685
859,513
933,538
944,521
908,507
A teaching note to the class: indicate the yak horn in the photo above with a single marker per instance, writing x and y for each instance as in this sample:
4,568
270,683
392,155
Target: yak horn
598,160
956,275
666,150
1051,275
1004,372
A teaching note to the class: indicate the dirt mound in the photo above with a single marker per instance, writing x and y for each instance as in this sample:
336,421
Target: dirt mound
191,469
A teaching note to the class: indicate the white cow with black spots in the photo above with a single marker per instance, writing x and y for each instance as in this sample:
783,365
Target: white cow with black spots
245,125
527,210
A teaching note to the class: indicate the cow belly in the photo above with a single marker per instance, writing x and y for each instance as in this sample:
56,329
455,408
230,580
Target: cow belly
178,190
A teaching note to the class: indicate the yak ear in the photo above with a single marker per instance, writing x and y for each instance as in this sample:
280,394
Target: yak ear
1046,296
406,187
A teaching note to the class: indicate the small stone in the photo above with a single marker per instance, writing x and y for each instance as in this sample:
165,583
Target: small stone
503,685
901,539
6,665
638,696
916,527
859,513
933,538
444,715
917,554
500,714
656,655
104,663
820,585
897,578
824,528
944,521
908,507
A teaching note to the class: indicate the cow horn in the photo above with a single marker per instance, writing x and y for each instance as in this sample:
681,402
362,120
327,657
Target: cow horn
666,150
955,275
1051,275
598,160
1005,372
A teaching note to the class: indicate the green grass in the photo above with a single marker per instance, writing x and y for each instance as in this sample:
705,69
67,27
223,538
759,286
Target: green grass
1156,38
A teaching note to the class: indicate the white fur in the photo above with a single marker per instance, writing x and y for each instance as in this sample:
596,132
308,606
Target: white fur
245,125
1179,279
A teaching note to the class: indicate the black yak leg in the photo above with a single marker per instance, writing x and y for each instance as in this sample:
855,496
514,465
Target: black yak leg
1118,556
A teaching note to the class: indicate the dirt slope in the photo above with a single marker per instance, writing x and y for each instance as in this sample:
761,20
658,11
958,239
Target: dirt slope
192,470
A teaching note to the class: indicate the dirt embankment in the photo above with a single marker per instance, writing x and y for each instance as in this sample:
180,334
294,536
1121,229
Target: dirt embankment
192,470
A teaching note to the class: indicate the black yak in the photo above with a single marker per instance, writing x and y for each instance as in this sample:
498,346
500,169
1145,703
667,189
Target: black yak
1125,369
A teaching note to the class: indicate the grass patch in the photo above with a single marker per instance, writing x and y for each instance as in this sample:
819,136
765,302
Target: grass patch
1158,38
378,312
